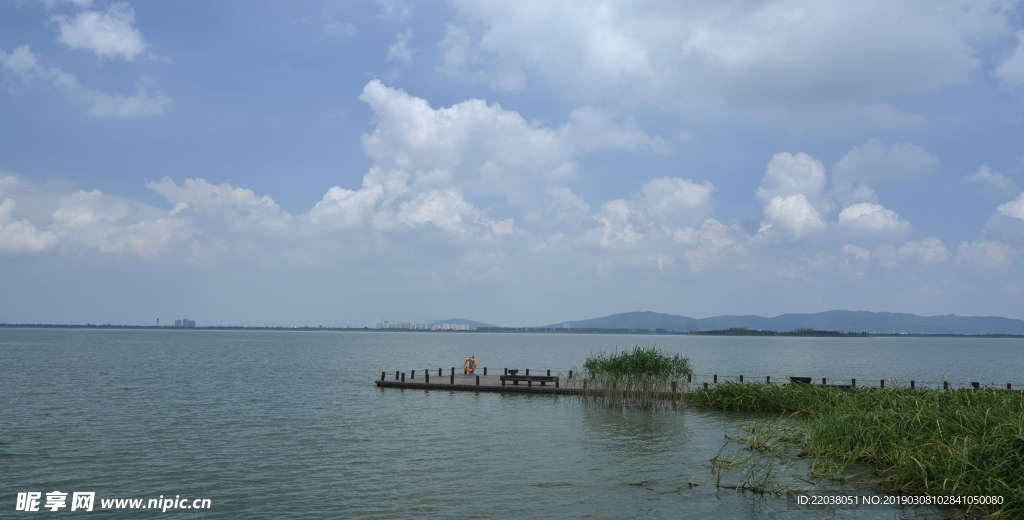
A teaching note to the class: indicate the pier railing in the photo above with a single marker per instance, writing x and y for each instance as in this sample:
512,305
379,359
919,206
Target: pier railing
572,378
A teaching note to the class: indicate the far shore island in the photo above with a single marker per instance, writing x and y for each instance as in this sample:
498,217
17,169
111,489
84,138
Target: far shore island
736,331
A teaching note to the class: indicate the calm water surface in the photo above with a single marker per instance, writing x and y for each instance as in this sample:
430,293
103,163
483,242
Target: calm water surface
290,425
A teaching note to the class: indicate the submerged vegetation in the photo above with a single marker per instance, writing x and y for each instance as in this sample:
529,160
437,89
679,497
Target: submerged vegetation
959,442
639,378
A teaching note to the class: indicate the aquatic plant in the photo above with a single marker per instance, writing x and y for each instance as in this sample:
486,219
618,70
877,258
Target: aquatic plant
959,442
643,378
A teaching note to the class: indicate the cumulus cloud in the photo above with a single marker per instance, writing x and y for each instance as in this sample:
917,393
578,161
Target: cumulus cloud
986,176
985,255
873,161
929,251
794,216
1014,208
478,147
1012,70
872,218
20,237
751,55
791,195
400,50
110,33
90,220
788,175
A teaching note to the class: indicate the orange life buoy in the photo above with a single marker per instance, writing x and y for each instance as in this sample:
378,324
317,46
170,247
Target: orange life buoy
469,364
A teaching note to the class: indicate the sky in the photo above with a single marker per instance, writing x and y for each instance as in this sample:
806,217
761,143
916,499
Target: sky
516,163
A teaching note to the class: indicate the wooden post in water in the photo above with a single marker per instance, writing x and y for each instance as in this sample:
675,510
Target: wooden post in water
768,379
477,380
716,379
823,381
881,383
396,375
382,376
439,372
853,383
741,378
911,384
1007,386
549,373
412,374
945,385
485,371
689,378
506,371
451,379
426,375
403,377
527,371
570,374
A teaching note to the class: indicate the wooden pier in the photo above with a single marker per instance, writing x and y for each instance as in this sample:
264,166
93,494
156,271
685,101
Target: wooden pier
449,380
478,383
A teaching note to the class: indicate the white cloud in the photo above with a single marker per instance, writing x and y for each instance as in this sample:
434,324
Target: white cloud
793,215
1014,208
119,105
26,65
110,34
82,4
739,55
788,175
675,202
474,146
400,50
925,251
590,130
872,218
20,237
791,195
92,220
1012,70
399,10
873,161
885,115
985,175
986,255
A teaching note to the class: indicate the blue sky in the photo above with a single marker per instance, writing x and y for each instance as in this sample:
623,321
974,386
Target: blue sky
338,163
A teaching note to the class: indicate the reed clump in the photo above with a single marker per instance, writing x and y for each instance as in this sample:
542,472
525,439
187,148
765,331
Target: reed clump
641,378
958,442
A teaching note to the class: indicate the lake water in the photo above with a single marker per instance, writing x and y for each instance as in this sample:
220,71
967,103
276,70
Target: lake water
290,424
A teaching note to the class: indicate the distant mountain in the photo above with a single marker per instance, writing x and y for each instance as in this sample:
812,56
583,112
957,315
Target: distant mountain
473,325
850,321
632,320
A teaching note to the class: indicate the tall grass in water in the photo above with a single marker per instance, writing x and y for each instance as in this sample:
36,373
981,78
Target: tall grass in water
641,378
960,442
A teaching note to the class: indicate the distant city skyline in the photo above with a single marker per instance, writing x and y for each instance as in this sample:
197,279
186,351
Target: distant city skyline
513,163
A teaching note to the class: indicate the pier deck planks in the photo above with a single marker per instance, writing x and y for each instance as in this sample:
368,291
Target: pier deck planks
492,383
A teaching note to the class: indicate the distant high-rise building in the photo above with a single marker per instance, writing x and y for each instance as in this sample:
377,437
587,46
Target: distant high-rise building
401,325
177,323
450,326
185,323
